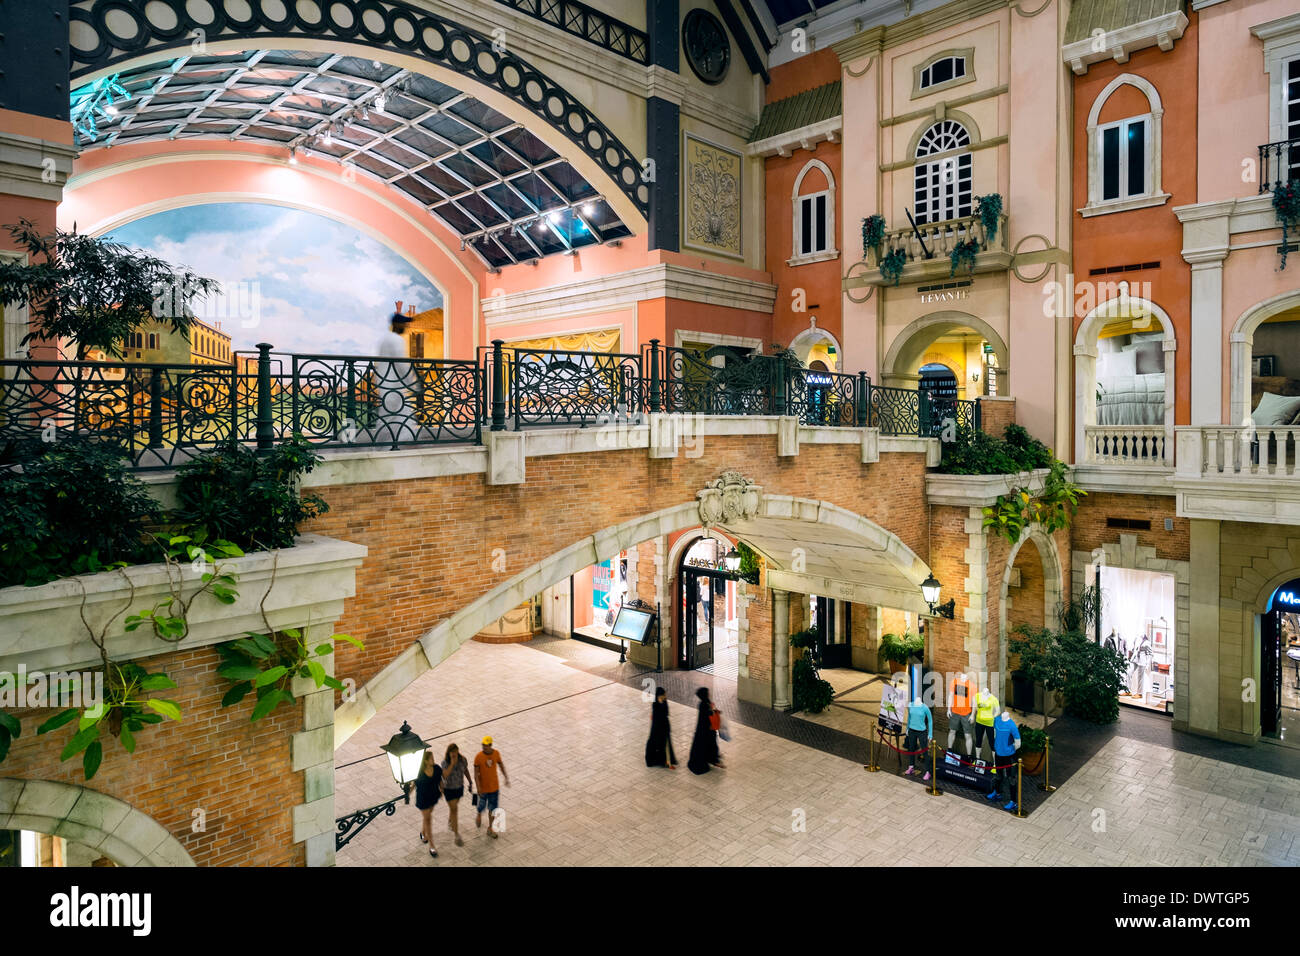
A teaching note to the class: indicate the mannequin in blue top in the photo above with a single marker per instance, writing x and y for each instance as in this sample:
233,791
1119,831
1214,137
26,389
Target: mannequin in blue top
1006,741
920,728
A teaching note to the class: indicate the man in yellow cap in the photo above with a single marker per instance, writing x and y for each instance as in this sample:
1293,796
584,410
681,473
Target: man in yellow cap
486,764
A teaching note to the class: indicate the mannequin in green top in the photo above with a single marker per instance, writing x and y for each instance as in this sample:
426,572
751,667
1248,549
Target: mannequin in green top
986,708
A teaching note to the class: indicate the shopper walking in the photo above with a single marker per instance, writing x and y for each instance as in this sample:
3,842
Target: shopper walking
704,745
486,764
920,728
659,748
427,792
455,774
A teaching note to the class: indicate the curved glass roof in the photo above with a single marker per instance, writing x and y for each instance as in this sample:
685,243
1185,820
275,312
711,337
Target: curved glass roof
506,193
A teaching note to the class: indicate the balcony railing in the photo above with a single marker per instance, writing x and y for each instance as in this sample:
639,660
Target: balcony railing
1278,163
927,251
1127,445
1229,453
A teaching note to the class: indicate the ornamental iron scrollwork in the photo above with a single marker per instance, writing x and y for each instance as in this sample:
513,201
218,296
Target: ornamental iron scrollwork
106,32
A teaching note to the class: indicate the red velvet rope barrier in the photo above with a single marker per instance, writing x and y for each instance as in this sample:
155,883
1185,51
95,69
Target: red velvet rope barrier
911,753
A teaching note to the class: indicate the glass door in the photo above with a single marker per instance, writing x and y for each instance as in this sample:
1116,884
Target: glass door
697,609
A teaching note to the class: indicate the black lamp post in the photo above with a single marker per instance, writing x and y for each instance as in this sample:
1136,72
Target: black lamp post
405,754
930,591
732,560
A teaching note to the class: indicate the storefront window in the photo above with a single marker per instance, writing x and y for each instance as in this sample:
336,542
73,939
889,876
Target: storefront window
1137,622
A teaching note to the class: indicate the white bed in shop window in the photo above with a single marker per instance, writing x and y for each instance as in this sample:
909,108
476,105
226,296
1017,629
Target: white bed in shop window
1130,389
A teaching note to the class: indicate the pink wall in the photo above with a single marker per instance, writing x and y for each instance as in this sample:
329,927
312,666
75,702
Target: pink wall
101,196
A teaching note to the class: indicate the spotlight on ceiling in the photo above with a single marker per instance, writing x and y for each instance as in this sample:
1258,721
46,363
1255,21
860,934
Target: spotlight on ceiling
293,155
110,109
329,136
462,245
380,102
589,208
554,216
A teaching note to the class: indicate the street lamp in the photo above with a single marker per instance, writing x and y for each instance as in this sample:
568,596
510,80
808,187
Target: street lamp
405,754
732,560
930,592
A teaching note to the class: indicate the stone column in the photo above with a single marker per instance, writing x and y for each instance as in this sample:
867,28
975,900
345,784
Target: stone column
1205,246
780,649
1199,685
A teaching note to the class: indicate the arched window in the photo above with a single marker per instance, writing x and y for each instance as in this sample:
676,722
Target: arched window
1124,150
943,173
814,214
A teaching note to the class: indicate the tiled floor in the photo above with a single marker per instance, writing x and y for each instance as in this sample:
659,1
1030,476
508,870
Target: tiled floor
573,742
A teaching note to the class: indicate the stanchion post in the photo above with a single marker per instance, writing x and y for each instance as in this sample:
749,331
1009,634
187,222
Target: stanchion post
1020,808
934,790
872,766
1046,785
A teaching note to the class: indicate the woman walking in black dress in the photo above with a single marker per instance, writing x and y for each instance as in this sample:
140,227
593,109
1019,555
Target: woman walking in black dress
704,747
659,748
427,792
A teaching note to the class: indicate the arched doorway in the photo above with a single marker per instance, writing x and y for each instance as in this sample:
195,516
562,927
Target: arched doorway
1279,712
1032,584
973,351
706,606
1265,358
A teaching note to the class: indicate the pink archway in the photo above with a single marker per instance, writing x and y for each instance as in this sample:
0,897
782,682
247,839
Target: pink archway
111,187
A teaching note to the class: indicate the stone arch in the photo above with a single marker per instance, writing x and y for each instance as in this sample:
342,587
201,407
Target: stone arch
901,582
957,116
904,355
118,830
1241,341
809,338
103,43
808,167
1053,585
1143,85
1085,367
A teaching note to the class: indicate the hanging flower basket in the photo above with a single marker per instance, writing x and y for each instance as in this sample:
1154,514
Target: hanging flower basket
989,210
963,254
873,234
1286,203
891,266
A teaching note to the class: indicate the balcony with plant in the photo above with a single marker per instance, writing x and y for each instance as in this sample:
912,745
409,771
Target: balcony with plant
934,251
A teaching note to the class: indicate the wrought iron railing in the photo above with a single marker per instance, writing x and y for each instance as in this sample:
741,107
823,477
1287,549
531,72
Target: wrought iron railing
158,415
1278,163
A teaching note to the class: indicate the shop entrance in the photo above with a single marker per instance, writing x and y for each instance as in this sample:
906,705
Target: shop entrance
706,602
1137,622
1279,715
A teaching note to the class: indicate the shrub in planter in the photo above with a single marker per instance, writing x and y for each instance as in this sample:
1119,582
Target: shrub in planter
811,693
896,649
250,499
891,266
963,254
873,234
1033,744
73,509
1087,675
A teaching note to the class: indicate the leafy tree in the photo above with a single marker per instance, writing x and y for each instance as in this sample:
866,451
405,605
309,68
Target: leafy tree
95,291
1088,675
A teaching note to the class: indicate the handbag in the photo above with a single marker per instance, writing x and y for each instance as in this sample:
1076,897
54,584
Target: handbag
715,719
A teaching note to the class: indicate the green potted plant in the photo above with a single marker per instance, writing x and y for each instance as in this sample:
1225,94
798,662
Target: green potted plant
809,691
989,210
895,649
1033,744
873,234
891,266
963,254
1286,203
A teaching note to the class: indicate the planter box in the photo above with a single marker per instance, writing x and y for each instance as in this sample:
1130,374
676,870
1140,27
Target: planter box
978,491
42,627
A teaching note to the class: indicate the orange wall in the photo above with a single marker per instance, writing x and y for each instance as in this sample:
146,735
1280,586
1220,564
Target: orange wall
1152,234
819,280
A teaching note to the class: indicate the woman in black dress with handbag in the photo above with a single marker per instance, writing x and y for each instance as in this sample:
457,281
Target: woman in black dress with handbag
704,746
659,748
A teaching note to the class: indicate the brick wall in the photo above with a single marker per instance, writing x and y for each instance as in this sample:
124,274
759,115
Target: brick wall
1090,531
949,541
431,540
236,771
996,414
759,616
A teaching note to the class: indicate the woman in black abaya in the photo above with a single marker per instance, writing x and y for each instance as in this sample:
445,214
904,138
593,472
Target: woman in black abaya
659,748
704,747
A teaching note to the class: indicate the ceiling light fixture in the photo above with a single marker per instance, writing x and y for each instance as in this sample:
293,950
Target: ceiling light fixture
380,102
589,208
293,155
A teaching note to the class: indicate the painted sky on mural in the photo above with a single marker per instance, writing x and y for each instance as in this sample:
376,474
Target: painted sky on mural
295,279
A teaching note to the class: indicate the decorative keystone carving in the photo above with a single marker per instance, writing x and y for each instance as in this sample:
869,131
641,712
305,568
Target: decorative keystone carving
730,498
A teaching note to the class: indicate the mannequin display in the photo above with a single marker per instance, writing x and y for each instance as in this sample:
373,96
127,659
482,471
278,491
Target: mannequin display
1141,667
986,706
1006,741
961,704
920,728
1109,643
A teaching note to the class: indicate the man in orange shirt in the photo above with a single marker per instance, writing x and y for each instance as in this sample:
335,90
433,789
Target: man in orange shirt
486,763
961,702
